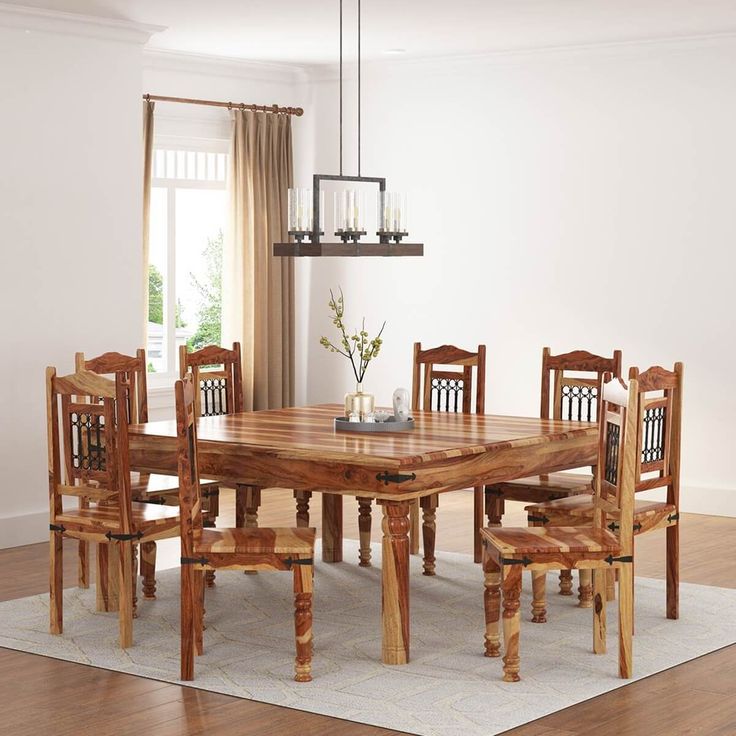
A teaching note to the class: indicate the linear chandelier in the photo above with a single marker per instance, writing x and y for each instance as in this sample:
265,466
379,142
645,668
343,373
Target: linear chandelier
306,207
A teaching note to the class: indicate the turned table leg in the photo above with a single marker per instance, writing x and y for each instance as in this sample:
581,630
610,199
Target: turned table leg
148,569
303,622
331,527
429,506
395,582
302,499
364,531
565,582
539,597
511,622
252,499
600,582
478,519
414,527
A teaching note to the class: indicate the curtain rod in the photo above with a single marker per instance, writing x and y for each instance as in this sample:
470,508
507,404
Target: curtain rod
298,111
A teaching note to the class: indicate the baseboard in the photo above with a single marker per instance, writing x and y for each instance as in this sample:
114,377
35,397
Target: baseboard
16,531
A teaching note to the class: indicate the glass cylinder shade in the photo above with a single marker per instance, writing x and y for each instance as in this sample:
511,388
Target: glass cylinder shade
392,212
350,211
301,210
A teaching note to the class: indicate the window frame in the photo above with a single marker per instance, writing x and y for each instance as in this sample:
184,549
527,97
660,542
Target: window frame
170,185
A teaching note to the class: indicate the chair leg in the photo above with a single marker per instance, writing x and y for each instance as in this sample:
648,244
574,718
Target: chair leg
252,503
478,509
302,507
539,597
125,596
673,571
240,491
495,505
585,589
213,507
625,620
187,622
107,577
600,584
565,582
611,585
56,583
364,531
134,581
414,527
83,560
511,622
492,605
199,611
303,581
429,506
148,569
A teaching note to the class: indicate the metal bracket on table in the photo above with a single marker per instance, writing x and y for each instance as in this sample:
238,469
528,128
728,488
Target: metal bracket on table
543,519
57,528
387,477
289,561
626,558
511,561
193,560
124,537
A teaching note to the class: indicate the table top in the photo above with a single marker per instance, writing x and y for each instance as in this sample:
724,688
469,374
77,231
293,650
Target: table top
308,432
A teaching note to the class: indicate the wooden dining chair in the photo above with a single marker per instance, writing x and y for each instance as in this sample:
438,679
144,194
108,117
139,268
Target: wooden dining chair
658,435
442,380
570,390
254,549
509,551
144,487
218,373
88,458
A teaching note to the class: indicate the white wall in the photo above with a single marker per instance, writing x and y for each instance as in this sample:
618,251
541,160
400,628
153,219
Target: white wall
578,199
70,226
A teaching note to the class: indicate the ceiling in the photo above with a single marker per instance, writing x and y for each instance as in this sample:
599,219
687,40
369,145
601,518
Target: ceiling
305,31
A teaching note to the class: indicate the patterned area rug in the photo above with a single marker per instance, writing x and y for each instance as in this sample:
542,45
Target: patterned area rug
448,689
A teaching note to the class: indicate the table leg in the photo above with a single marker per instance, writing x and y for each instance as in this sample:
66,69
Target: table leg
395,582
331,527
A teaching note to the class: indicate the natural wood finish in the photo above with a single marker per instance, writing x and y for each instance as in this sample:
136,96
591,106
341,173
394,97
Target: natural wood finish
395,582
432,365
561,373
248,548
661,471
429,506
89,439
298,448
364,527
331,527
697,695
541,548
144,487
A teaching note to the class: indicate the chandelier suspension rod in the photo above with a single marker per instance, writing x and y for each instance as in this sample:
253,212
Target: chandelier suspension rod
340,87
358,87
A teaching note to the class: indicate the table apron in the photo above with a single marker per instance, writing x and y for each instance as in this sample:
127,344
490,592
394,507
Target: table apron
153,454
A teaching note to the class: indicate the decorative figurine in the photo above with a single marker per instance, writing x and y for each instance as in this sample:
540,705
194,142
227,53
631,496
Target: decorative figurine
401,405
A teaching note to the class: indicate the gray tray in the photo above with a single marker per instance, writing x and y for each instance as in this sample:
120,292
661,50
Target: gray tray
390,425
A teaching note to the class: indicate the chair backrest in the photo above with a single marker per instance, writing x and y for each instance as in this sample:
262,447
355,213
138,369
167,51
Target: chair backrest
435,388
660,424
88,438
574,397
617,457
190,499
220,388
134,371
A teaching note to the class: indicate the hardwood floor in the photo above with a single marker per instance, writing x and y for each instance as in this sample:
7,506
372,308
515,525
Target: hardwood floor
42,695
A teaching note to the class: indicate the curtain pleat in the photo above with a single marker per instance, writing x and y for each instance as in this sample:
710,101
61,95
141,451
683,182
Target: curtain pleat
148,107
258,289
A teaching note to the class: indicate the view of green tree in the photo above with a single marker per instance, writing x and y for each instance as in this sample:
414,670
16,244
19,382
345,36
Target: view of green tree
156,299
155,295
209,310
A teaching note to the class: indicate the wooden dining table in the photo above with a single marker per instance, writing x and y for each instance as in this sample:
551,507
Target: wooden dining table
299,448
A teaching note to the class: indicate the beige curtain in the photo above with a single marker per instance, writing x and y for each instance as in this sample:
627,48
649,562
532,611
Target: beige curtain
258,289
148,106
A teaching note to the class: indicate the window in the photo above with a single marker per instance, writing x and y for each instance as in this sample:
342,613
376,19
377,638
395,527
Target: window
187,222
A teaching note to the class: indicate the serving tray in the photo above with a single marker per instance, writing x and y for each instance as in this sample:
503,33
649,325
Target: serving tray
343,424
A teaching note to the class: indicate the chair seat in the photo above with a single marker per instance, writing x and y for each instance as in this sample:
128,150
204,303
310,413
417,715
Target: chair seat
563,482
144,517
550,540
581,507
254,540
153,484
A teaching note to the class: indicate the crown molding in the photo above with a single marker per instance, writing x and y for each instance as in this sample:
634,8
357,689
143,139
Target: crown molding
222,66
75,24
437,64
